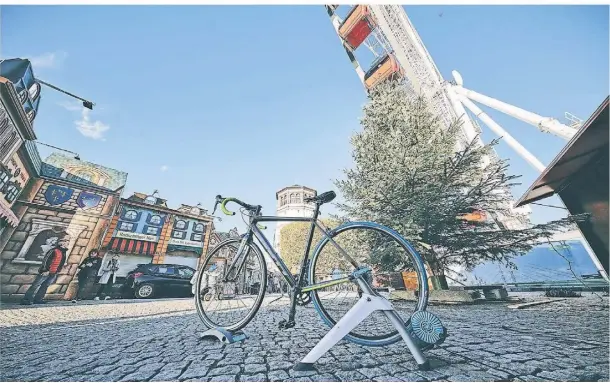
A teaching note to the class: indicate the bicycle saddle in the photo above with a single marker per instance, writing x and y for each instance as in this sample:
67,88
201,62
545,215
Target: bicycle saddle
322,198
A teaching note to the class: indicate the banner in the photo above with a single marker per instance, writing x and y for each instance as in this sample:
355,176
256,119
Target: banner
184,242
130,235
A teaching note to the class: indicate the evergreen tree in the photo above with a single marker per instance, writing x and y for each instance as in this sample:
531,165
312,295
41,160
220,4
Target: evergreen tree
418,177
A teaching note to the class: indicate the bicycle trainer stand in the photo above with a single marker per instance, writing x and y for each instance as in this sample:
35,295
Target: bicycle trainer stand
423,331
225,336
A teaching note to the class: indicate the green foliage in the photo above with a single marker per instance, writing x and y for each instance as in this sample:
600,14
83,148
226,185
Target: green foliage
416,176
293,238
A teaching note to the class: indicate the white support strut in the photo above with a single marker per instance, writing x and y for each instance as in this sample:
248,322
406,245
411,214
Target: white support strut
545,124
520,149
365,306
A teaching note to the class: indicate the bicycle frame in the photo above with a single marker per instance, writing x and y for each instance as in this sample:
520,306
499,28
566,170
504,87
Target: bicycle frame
296,285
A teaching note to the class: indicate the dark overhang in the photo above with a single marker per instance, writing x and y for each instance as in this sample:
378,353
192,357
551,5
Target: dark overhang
586,144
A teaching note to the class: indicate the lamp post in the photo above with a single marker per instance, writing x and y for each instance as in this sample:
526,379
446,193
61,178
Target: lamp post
87,104
76,156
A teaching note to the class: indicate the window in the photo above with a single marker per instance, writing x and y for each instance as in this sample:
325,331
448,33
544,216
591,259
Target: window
178,234
131,214
155,220
199,227
34,91
12,191
152,230
197,237
292,198
4,177
298,198
126,226
185,273
181,225
165,270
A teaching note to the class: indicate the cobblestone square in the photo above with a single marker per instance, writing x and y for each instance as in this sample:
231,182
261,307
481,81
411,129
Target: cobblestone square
157,340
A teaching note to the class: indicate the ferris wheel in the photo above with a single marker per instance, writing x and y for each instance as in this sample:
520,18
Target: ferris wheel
385,36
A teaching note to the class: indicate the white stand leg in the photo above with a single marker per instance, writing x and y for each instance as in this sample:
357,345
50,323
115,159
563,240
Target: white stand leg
365,306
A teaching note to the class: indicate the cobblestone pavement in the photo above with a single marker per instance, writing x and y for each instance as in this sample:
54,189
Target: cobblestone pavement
157,341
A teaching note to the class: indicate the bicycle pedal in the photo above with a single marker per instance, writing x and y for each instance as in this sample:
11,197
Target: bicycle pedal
284,324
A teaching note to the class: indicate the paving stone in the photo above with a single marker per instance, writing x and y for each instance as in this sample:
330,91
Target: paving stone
253,378
223,378
277,376
350,376
226,370
255,368
487,343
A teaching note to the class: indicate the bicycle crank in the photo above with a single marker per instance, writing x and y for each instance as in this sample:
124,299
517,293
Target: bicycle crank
303,298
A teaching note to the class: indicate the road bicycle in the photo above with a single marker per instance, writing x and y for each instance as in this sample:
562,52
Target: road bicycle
347,247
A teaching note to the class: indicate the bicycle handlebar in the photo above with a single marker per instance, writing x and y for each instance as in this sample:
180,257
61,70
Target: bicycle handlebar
224,201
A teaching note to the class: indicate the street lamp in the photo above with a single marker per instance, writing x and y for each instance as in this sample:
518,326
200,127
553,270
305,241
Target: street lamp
87,104
76,156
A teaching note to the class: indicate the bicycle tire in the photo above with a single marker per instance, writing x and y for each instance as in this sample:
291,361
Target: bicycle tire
418,263
244,322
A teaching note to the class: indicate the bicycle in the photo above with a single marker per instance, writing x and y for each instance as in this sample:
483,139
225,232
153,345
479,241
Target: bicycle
305,288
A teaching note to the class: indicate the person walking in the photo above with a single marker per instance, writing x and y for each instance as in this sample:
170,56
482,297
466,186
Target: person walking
88,268
108,277
52,263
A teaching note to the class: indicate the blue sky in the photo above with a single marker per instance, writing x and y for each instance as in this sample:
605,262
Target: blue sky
242,101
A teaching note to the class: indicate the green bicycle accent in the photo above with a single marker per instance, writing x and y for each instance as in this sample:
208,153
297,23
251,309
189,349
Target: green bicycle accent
322,285
228,212
224,208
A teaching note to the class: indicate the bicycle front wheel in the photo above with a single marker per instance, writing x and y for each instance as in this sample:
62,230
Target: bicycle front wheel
396,267
230,305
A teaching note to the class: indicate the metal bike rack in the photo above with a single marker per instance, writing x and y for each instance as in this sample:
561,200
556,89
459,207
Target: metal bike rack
225,336
366,305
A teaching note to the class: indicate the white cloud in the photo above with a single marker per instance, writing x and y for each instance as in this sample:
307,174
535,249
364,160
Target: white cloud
164,168
72,106
48,60
91,129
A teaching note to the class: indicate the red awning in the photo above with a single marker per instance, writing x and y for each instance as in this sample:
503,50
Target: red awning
132,246
8,215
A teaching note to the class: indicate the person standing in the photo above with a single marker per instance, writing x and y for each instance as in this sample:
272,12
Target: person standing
108,277
52,263
88,268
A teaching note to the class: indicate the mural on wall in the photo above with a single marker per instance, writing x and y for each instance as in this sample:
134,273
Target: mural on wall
56,195
86,200
187,235
43,236
82,172
13,178
139,223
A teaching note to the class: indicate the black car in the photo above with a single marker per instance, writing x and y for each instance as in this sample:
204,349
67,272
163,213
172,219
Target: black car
149,280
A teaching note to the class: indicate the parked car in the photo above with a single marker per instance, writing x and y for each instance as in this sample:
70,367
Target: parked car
149,280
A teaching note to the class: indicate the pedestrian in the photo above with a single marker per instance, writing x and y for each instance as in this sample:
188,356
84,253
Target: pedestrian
108,277
52,263
88,268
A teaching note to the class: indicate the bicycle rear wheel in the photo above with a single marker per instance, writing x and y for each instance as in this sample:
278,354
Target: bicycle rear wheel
393,262
230,305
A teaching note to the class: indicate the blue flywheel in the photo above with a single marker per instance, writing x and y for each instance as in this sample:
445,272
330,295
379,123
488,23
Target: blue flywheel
428,327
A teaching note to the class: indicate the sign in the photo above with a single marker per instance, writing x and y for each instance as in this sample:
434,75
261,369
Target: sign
88,200
184,242
56,195
140,236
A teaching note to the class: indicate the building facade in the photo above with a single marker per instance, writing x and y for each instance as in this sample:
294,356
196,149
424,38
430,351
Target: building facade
19,99
290,203
145,230
58,203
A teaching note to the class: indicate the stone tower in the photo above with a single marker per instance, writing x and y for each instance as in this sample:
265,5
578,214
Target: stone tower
290,204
